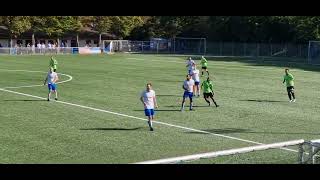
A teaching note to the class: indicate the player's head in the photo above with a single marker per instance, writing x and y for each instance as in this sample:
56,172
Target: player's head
188,77
149,86
286,70
194,66
202,57
189,59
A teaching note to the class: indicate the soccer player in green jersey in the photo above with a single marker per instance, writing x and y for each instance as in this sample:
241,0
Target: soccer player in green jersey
204,64
53,64
288,79
207,87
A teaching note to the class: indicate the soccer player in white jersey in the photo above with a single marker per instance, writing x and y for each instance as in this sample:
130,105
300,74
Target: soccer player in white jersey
149,101
195,77
188,91
52,78
189,65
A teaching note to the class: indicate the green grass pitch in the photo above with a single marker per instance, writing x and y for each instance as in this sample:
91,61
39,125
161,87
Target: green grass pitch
253,106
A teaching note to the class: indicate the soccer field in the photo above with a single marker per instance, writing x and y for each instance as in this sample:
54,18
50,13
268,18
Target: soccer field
99,118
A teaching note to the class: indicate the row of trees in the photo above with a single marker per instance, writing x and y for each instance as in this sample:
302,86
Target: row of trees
217,28
57,26
234,28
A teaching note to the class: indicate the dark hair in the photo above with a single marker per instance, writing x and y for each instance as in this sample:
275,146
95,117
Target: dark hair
287,69
149,84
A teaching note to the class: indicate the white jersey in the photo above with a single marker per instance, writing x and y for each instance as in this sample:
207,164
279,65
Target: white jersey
195,75
190,63
51,77
188,85
148,98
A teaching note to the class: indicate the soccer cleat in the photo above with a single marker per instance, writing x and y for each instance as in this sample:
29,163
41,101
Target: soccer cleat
217,105
294,100
191,109
56,99
48,99
209,104
151,128
290,101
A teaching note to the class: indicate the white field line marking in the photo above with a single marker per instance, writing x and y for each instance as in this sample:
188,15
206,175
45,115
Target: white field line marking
16,87
143,119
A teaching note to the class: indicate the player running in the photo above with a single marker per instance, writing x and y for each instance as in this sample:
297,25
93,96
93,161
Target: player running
52,78
53,63
288,78
189,65
195,77
204,64
149,101
208,91
188,91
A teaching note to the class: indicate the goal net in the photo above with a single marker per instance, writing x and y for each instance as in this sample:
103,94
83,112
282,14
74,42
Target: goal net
184,45
314,52
289,152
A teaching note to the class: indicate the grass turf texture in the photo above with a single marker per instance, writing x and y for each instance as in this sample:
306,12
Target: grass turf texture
253,106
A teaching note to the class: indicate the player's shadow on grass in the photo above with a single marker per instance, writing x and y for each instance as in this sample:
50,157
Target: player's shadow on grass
247,131
168,95
161,110
25,100
112,129
260,100
187,106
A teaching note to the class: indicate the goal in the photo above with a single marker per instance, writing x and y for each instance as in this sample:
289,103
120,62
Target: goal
289,152
185,45
314,52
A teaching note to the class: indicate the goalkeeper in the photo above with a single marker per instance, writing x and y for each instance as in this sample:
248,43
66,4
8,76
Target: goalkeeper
204,64
53,64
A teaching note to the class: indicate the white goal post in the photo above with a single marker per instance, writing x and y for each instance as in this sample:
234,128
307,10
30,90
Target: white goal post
313,145
183,45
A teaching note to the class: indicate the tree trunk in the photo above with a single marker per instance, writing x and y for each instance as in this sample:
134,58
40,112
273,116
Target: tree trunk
33,40
77,40
33,44
58,50
100,37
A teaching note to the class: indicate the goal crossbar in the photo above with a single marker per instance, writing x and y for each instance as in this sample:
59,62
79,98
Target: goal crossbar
224,152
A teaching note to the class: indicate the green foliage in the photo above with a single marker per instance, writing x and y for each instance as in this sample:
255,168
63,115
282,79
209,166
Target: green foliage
16,24
217,28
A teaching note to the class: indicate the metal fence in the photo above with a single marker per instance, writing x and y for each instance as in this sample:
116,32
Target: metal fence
36,51
209,48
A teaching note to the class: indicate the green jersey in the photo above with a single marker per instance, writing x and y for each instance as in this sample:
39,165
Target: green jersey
207,86
53,63
204,62
288,78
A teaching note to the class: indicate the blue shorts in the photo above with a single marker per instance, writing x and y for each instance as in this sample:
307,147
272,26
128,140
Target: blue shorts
197,83
188,94
149,112
189,72
52,87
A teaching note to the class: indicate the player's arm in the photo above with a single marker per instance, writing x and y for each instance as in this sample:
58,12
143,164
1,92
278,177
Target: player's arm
284,80
155,101
56,79
141,99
